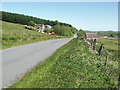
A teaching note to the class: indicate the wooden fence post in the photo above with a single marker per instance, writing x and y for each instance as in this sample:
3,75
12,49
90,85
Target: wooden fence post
100,50
91,43
94,44
106,60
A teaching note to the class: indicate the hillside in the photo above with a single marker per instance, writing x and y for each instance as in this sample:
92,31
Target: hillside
62,29
24,19
8,27
16,34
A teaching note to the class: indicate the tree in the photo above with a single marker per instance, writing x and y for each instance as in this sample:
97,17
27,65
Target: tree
56,29
62,30
74,30
56,22
31,23
81,34
111,35
66,31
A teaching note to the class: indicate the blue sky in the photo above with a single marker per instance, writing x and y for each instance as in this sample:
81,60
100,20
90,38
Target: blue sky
94,16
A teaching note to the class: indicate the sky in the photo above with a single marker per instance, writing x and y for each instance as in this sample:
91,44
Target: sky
93,16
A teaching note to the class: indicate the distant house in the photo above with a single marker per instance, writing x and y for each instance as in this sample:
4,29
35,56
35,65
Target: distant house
48,26
91,36
40,26
38,30
105,37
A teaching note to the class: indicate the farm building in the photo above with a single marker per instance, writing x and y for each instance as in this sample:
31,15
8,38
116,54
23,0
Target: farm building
42,26
48,26
91,36
38,27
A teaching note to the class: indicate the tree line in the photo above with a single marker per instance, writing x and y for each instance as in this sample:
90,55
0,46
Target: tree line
24,19
62,30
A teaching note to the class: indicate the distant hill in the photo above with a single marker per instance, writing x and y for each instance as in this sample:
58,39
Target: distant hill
102,31
105,33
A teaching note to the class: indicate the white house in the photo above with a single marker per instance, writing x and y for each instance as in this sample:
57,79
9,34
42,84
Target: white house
42,26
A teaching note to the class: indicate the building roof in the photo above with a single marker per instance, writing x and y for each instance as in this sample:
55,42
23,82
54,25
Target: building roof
48,26
91,35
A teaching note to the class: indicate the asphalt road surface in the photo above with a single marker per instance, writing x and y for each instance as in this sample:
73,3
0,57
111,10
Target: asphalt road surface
17,61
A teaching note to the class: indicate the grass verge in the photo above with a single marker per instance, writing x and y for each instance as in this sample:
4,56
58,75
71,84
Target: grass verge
71,66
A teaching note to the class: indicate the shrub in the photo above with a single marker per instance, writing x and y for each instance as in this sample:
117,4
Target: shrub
5,38
62,30
33,37
31,23
13,38
24,38
81,34
73,30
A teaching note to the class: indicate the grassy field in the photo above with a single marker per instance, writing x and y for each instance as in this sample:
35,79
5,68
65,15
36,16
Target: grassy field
109,44
110,48
16,35
72,66
109,34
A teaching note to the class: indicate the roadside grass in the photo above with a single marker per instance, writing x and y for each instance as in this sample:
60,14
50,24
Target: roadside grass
71,66
27,40
16,35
